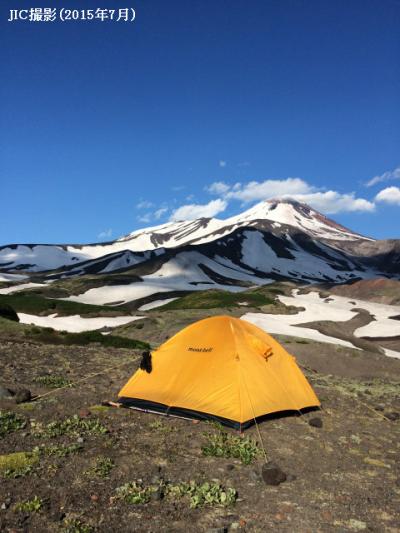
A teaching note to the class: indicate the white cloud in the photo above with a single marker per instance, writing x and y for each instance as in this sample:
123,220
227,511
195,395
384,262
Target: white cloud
386,176
331,202
144,204
106,234
160,212
256,190
390,195
144,218
222,163
193,211
218,187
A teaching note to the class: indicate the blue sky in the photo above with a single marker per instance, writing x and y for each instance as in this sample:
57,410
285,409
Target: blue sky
212,104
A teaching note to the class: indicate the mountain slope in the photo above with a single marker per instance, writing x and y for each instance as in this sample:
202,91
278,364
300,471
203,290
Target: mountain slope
274,240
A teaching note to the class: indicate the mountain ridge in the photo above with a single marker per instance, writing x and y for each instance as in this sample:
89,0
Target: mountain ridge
273,240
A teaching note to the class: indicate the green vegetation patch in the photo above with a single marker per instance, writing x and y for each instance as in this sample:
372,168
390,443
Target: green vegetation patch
375,388
70,426
74,525
208,493
59,451
17,464
222,444
102,467
52,382
198,494
10,422
217,298
50,336
34,304
134,492
29,506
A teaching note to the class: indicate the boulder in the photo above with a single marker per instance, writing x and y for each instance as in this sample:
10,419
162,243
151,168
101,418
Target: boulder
22,395
272,474
315,422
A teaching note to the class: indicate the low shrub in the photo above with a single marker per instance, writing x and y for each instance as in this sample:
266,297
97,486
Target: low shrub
10,422
70,426
29,506
222,444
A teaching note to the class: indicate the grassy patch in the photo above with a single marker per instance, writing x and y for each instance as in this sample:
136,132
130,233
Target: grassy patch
222,444
216,298
34,304
99,409
74,525
70,426
18,464
52,382
198,494
102,467
15,330
208,493
376,388
159,426
10,422
59,451
29,506
134,492
50,336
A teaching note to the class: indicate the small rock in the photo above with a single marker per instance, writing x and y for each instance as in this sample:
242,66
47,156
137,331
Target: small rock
84,413
22,395
80,440
315,422
272,474
393,416
5,394
94,497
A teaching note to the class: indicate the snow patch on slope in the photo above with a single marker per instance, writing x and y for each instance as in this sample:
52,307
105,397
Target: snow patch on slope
21,287
181,273
334,308
75,323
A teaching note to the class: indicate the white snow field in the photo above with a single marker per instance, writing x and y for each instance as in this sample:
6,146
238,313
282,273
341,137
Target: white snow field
155,303
11,277
75,323
333,308
182,273
259,255
21,287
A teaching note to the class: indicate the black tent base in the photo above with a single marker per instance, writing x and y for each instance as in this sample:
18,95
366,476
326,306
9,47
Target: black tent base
188,414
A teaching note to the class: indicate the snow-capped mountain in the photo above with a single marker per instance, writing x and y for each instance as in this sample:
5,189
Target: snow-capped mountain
276,239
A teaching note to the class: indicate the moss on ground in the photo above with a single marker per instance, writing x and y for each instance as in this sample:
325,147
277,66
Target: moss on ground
17,464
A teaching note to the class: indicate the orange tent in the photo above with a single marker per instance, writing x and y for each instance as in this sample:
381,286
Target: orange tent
220,368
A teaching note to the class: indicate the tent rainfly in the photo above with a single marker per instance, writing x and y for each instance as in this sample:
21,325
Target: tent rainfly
220,368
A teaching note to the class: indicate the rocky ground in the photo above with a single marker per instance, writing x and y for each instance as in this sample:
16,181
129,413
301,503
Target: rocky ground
339,473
